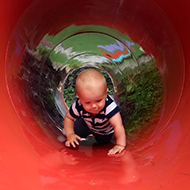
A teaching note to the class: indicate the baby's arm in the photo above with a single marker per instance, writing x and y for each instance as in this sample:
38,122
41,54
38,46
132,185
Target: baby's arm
120,136
72,138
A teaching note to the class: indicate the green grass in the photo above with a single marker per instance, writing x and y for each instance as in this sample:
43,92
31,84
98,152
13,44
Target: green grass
148,98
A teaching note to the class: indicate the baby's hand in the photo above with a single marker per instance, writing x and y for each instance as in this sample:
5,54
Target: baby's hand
116,149
72,140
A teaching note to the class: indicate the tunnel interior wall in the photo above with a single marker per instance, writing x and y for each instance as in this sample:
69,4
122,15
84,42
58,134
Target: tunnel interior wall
29,143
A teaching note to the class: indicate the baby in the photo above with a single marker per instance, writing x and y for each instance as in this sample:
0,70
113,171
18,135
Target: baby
94,112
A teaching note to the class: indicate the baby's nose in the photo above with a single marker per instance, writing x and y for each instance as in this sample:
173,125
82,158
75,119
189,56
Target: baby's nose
94,106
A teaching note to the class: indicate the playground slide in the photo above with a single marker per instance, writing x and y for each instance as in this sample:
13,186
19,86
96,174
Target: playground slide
33,158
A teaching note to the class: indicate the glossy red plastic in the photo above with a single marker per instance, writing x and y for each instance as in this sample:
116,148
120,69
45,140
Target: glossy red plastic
32,158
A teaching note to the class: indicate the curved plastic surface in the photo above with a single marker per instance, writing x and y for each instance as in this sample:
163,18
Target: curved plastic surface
33,159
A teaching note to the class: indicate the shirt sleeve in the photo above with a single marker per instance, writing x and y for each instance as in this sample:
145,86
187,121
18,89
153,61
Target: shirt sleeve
112,108
74,110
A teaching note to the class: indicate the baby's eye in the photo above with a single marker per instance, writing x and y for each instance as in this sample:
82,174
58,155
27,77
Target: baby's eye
87,102
99,100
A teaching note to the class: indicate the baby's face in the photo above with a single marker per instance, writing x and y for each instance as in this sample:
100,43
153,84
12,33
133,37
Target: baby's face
93,100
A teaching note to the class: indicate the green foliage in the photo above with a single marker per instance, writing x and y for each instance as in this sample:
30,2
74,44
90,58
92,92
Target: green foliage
57,57
69,96
148,96
43,51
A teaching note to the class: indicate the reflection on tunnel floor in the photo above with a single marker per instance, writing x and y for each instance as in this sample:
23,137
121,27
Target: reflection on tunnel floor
137,84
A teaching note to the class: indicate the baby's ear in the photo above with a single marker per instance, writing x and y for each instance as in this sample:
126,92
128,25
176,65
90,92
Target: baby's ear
107,89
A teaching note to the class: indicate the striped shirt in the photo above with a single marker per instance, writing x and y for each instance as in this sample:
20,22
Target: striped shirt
100,122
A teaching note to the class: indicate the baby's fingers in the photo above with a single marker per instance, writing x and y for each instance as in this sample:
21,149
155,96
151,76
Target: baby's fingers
73,141
76,141
79,138
69,144
112,152
74,144
116,149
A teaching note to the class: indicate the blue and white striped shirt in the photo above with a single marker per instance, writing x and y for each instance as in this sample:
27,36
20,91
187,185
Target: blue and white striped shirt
100,122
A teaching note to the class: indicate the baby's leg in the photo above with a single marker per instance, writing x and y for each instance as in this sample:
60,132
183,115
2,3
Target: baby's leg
81,128
103,139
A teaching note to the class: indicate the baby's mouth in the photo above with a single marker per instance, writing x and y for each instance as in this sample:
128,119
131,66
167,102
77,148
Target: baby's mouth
94,111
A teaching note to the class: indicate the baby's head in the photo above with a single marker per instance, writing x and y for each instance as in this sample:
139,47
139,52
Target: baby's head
92,90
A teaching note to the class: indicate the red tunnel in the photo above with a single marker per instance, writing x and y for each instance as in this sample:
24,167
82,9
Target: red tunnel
31,158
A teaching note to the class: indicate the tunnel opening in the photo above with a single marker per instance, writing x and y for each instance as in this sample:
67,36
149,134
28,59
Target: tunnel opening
136,27
137,83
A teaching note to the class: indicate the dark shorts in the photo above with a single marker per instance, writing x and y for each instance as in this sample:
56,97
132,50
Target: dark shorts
83,131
